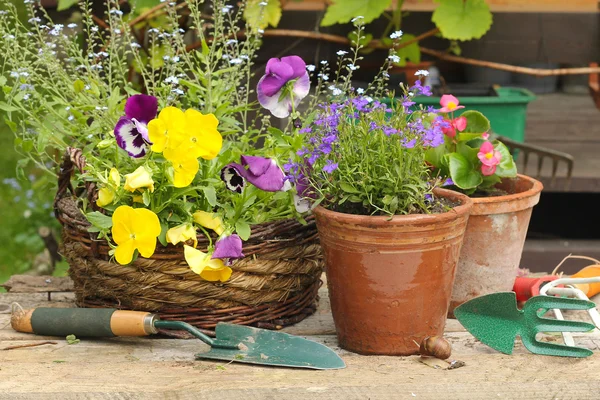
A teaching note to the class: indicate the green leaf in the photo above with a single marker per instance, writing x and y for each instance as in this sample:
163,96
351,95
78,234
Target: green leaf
463,172
342,11
435,156
7,107
507,167
462,19
11,125
476,122
162,237
2,80
243,229
78,85
65,4
409,53
259,16
72,339
99,220
348,188
146,197
27,145
211,195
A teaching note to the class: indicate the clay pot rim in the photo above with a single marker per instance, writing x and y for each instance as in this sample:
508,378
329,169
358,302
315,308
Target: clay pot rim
536,188
456,212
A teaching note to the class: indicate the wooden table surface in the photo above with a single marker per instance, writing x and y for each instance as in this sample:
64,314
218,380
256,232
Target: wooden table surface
128,368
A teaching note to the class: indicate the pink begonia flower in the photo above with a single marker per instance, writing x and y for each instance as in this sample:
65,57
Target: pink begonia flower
485,136
273,90
459,123
489,158
449,103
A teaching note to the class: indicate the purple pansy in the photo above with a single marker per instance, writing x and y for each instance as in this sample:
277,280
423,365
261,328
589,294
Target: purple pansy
131,130
264,173
229,247
273,90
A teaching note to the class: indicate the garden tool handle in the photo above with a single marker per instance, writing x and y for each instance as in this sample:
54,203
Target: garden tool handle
526,288
83,322
590,289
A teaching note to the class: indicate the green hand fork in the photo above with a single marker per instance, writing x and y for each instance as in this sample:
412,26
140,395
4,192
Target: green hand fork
496,321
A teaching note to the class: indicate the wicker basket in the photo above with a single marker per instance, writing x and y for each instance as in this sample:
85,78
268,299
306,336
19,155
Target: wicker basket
275,285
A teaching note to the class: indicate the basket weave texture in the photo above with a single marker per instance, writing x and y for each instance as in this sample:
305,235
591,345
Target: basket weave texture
275,285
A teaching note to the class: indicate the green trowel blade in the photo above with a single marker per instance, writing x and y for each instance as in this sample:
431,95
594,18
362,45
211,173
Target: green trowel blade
495,320
266,347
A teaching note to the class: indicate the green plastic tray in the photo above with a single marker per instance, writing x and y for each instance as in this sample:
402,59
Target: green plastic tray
507,112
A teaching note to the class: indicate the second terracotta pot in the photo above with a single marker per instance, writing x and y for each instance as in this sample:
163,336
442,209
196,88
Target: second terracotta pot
494,240
390,280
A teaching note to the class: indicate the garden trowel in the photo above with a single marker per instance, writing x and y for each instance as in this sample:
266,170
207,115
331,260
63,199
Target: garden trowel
496,321
236,343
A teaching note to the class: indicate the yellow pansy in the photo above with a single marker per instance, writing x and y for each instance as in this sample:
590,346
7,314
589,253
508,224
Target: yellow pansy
200,137
182,233
184,171
134,228
106,194
210,221
140,178
168,127
211,269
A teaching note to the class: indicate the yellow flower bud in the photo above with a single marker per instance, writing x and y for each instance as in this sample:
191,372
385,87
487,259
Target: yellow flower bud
105,197
209,221
182,233
140,178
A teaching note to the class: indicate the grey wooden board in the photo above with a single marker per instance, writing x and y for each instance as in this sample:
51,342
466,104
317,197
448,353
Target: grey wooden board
129,368
571,124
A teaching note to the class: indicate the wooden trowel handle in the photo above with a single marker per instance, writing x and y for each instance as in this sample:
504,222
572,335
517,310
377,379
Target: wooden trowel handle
83,322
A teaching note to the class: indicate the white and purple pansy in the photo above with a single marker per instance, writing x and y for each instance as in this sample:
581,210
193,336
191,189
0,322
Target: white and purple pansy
131,130
285,80
264,173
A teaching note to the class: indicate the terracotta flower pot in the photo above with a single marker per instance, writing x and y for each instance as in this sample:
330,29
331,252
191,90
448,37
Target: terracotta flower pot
490,257
390,280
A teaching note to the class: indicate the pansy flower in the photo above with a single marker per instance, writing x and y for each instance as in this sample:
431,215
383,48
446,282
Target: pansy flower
489,158
285,80
264,173
211,269
131,130
228,247
449,103
134,229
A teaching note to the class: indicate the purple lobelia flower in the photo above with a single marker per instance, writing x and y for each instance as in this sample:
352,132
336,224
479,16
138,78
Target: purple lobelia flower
285,80
264,173
229,247
131,130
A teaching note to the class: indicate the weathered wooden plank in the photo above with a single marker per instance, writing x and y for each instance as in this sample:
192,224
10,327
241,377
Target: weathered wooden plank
93,369
38,284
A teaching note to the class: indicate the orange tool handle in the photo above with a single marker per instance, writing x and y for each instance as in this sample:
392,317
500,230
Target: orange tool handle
590,289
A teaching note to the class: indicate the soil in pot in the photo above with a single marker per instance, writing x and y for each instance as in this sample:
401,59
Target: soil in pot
390,280
494,240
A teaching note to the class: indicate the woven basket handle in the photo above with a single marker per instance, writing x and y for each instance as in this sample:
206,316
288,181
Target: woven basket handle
74,158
